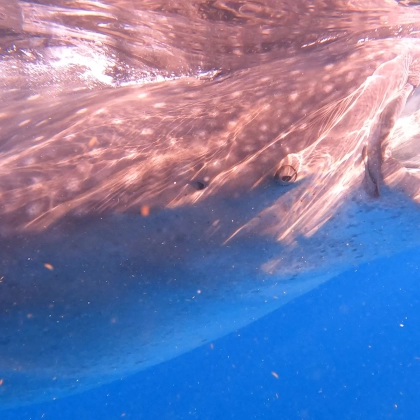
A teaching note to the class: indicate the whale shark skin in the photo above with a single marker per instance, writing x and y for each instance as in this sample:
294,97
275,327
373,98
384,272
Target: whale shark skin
141,218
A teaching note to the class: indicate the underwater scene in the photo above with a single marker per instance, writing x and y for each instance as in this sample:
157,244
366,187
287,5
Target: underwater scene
209,209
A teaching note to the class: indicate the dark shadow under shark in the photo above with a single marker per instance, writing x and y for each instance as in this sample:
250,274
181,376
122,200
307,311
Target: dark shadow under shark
161,187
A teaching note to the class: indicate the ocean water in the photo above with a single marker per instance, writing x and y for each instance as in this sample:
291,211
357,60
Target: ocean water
209,209
349,349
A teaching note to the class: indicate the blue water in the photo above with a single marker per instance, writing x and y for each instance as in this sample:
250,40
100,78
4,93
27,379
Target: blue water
348,350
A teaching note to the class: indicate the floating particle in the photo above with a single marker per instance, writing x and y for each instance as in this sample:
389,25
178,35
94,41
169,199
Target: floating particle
145,211
93,141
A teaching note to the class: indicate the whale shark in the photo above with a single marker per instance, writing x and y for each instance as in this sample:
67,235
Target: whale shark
163,185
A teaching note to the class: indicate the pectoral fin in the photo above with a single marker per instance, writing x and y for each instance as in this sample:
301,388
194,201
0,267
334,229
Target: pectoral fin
373,151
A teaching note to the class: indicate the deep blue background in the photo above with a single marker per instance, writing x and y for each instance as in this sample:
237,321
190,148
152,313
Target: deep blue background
348,350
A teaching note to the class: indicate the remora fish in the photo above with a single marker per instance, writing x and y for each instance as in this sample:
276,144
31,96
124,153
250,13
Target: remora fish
140,221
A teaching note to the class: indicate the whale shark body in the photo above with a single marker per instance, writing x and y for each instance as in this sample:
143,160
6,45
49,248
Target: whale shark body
163,187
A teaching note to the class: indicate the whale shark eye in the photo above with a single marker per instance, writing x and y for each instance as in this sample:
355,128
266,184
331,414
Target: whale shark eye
198,185
285,175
